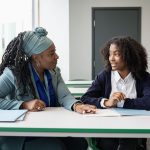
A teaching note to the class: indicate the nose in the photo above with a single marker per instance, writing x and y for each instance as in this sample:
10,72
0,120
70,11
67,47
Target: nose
111,57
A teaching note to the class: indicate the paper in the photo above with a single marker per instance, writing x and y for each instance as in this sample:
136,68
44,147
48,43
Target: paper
21,118
11,115
119,112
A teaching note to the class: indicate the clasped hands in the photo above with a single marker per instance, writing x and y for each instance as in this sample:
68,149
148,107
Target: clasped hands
39,105
114,99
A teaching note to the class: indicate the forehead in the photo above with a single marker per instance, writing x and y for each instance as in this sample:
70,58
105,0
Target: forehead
113,48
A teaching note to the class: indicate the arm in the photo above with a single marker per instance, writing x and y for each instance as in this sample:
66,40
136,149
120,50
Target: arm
7,91
68,101
143,96
99,89
64,96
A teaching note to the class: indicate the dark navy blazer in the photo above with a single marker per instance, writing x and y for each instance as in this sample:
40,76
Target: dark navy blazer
101,88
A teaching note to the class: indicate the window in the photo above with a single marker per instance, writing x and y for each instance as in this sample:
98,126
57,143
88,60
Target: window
15,17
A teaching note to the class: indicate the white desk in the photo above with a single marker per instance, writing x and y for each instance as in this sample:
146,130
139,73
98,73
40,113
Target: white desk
60,122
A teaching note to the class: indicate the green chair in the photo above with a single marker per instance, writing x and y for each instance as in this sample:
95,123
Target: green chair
92,144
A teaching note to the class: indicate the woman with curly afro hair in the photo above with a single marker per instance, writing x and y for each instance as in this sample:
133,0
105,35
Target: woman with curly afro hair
124,83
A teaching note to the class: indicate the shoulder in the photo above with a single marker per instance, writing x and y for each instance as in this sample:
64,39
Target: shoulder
102,78
56,73
146,77
8,74
145,81
104,74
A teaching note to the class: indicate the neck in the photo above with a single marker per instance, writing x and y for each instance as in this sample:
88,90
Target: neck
123,73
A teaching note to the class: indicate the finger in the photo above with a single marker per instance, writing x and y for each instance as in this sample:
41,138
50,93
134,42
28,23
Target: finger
34,110
117,97
83,112
89,110
120,94
92,106
42,103
40,108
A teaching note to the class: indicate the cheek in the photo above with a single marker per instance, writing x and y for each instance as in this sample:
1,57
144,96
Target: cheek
119,59
45,62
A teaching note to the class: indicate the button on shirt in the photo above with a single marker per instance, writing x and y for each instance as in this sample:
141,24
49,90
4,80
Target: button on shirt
126,86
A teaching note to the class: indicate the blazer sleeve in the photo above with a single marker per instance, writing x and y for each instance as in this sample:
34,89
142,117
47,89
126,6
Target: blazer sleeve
7,88
143,99
64,96
97,91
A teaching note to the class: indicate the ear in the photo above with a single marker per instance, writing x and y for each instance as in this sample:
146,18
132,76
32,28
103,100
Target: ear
34,57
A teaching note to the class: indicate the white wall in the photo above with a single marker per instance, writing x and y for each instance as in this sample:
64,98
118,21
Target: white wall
69,23
80,24
54,16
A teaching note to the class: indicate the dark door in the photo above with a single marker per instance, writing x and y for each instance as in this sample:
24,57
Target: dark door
109,22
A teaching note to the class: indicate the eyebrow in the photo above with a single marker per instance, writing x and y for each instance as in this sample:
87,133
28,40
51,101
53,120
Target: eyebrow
114,51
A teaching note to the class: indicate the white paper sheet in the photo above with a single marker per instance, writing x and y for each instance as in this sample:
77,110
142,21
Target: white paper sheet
119,112
11,115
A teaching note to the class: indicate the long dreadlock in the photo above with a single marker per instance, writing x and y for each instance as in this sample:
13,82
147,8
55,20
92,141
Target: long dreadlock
17,61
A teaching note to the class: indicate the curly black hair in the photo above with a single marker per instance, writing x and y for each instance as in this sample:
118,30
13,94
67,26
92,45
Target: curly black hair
133,54
16,60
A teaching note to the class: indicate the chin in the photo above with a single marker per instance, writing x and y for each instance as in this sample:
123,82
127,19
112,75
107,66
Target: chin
52,67
113,68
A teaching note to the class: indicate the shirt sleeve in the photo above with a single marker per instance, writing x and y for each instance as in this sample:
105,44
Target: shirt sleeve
120,104
64,96
96,91
102,102
6,90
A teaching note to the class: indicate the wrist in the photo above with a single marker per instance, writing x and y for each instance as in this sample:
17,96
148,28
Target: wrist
107,104
22,106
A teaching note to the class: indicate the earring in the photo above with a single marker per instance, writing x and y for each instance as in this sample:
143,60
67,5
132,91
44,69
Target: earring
38,64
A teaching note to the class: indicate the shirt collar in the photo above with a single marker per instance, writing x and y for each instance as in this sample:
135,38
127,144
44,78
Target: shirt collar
117,77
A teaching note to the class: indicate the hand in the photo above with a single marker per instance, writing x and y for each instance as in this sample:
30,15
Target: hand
114,99
84,108
109,103
118,96
34,105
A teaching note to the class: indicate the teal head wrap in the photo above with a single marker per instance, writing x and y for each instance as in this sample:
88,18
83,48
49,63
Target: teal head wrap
35,42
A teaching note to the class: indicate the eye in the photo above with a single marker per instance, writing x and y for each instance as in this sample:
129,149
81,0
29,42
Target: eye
117,54
50,54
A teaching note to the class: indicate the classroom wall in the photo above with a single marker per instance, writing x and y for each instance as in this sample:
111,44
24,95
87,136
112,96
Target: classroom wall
54,16
69,25
80,32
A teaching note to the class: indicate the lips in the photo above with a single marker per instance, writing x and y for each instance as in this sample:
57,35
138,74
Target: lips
113,65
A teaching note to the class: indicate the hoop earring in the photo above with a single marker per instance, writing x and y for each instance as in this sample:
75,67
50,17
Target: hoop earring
38,64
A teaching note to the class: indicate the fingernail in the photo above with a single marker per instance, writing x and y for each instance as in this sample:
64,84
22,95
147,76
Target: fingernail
83,112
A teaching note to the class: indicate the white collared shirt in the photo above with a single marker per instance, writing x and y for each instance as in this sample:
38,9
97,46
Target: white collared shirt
126,86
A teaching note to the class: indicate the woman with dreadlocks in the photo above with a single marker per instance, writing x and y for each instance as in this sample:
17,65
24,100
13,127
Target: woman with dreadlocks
124,84
29,79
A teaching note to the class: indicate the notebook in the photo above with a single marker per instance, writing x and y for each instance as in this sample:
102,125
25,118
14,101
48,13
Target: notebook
119,112
11,115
